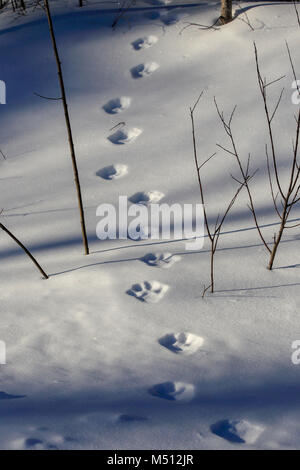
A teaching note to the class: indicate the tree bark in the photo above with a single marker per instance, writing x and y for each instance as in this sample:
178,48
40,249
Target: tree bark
69,130
226,10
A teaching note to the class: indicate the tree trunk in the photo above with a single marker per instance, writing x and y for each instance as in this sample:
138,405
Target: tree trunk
226,10
276,244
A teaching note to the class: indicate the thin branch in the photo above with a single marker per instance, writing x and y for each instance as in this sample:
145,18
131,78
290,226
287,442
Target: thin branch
206,161
247,21
244,174
271,184
297,13
47,97
262,87
197,167
201,26
125,7
277,105
69,129
274,81
117,125
10,234
213,234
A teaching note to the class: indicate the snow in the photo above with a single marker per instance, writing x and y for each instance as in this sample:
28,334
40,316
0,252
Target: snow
83,356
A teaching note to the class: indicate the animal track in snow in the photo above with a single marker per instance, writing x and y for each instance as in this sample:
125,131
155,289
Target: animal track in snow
146,197
143,70
33,443
173,391
117,105
238,432
113,172
43,440
144,43
182,343
125,136
160,260
148,291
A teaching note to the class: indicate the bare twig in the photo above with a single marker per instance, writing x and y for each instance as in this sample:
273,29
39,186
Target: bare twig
47,97
117,125
213,232
288,197
69,130
246,19
245,176
262,86
201,26
124,8
297,13
11,235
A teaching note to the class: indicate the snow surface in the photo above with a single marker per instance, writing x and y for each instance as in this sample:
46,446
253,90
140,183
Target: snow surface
82,354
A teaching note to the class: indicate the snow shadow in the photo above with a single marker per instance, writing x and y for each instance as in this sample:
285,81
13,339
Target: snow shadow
131,418
7,396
